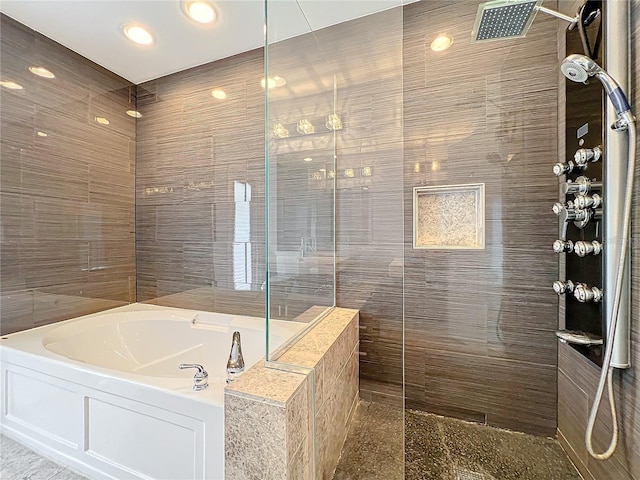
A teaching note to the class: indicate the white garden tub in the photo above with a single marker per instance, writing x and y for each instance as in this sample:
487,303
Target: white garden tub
103,393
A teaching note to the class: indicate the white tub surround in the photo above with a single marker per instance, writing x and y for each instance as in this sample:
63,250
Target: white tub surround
274,422
103,393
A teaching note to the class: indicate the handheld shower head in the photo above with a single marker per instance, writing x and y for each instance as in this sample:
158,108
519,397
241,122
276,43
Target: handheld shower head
579,68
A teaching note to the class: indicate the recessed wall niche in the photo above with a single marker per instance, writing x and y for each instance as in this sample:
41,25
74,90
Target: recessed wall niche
449,217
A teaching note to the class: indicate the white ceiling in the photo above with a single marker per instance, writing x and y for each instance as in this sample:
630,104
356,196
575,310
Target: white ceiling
93,28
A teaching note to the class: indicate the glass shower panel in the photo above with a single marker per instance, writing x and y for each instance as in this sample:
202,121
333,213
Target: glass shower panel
301,126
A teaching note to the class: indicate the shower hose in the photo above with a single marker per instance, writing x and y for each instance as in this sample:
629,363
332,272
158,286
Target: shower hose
606,374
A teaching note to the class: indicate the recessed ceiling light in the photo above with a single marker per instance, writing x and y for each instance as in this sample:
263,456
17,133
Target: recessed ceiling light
218,94
11,85
138,34
42,72
307,159
201,12
42,134
441,42
134,113
102,120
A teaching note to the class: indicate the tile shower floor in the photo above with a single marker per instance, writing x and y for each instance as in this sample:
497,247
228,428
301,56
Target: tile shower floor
439,448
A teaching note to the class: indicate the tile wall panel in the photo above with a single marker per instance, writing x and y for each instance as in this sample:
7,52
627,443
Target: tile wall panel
192,150
578,377
66,199
479,324
366,54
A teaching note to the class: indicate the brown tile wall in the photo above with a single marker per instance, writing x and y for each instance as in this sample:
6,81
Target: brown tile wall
479,325
67,199
578,377
191,150
366,55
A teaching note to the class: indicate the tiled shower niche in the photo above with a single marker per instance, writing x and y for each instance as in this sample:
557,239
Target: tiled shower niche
450,216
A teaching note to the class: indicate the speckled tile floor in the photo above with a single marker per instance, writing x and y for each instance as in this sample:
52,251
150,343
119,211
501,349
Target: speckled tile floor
439,448
17,462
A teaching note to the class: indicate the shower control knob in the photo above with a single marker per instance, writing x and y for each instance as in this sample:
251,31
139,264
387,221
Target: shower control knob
581,186
586,294
561,246
585,155
584,201
582,248
558,207
561,287
560,169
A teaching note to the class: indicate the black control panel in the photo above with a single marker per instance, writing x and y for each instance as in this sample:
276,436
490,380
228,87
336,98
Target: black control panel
580,209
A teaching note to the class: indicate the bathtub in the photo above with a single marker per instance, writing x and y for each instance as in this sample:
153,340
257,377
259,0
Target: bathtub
103,393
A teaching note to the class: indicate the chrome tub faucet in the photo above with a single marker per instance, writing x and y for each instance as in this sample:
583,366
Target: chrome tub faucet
235,364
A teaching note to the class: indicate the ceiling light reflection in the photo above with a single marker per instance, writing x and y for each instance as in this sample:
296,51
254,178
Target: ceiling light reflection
441,42
11,85
41,72
218,94
273,82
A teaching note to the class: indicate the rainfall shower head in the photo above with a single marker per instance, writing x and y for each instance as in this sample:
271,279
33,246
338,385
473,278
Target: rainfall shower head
579,68
499,19
504,19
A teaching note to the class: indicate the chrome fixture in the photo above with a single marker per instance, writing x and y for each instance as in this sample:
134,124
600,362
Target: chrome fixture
580,216
580,68
584,201
562,246
200,379
561,287
577,337
235,364
585,294
586,155
560,169
499,19
581,186
569,212
583,248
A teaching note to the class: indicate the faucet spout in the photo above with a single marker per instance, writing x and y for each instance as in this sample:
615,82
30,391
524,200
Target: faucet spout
235,364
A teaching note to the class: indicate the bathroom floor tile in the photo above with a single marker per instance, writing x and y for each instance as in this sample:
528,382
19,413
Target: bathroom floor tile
374,444
440,448
17,462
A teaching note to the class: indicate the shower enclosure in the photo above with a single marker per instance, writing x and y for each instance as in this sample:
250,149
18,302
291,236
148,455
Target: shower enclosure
333,141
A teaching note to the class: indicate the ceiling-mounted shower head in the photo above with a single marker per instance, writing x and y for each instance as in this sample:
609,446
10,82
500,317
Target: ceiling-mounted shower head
579,68
499,19
504,19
